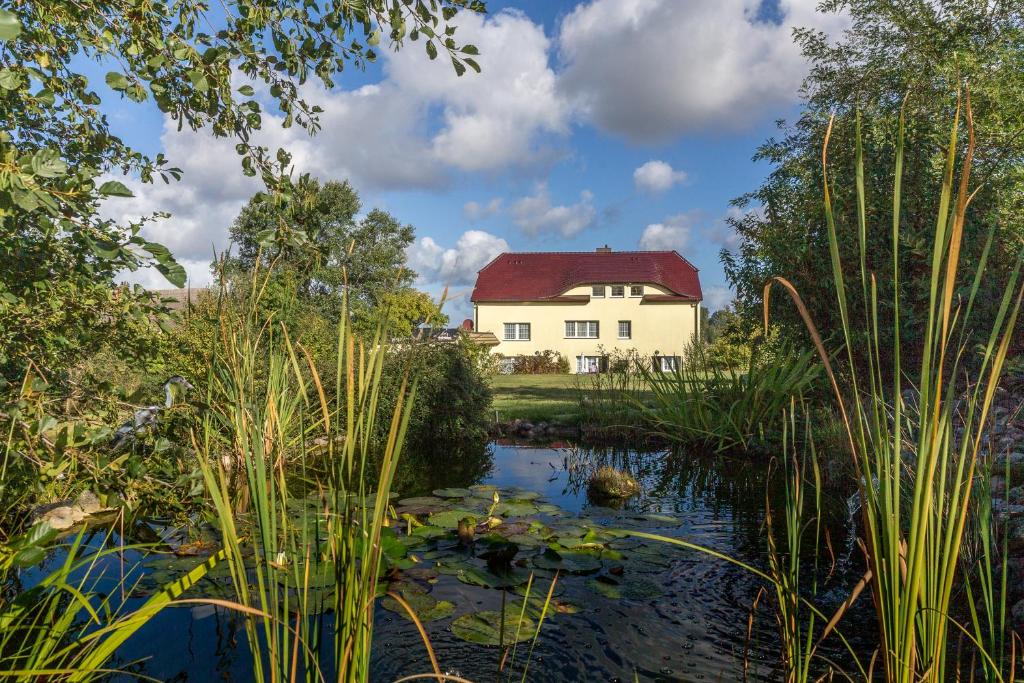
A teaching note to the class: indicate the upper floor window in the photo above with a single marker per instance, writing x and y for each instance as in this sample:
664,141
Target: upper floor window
597,291
581,329
636,290
618,291
517,331
625,329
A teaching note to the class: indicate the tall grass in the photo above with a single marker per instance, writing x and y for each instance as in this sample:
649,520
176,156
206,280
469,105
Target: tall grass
724,408
915,469
291,560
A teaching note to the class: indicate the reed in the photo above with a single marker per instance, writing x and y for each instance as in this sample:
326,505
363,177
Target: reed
915,469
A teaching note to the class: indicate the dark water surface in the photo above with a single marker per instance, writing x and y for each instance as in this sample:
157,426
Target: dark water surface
697,630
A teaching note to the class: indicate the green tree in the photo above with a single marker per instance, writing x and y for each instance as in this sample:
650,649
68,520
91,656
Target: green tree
199,66
896,55
315,246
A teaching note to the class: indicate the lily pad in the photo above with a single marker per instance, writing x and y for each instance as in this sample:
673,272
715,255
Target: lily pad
540,588
568,561
430,531
515,509
426,607
450,518
476,576
493,628
422,500
519,495
632,588
453,493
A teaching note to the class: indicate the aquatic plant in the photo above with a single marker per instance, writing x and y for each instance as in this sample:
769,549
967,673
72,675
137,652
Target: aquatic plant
914,526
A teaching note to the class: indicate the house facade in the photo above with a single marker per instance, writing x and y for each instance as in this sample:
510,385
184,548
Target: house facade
584,305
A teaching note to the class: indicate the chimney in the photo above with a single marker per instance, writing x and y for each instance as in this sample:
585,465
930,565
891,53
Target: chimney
604,250
467,324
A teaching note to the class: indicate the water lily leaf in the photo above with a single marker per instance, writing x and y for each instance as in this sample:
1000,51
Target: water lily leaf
450,518
453,493
515,509
430,531
567,560
426,606
519,495
483,490
540,588
535,607
475,576
493,628
422,500
631,588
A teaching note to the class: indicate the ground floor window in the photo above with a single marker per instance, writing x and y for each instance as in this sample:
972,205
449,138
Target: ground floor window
667,363
588,364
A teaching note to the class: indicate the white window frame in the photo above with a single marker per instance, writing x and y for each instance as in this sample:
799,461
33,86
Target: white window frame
629,329
622,291
632,291
668,363
572,329
584,365
594,289
517,330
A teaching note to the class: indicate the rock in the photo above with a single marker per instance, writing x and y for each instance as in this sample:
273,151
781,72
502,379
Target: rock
608,482
65,514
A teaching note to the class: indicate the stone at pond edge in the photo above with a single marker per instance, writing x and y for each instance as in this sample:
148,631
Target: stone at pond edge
490,628
610,483
65,514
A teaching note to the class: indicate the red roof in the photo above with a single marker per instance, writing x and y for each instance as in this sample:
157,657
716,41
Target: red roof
540,276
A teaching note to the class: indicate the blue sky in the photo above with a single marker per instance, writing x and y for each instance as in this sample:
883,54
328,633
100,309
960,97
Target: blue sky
623,122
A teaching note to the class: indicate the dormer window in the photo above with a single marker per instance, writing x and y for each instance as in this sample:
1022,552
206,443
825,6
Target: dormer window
597,291
636,290
618,291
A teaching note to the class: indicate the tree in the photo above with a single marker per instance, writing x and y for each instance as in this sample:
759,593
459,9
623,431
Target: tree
315,246
913,57
199,66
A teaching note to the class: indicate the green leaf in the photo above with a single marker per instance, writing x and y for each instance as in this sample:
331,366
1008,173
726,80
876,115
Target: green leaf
431,49
48,164
459,67
247,91
117,81
9,79
113,188
491,628
10,26
174,272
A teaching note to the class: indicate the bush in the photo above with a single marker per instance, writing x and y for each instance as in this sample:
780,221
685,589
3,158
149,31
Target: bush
540,363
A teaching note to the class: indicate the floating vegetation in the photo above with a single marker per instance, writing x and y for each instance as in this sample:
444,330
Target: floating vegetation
488,538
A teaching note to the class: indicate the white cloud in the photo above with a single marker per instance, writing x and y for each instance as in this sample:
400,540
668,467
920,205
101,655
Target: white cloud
535,214
717,297
653,69
456,265
673,233
656,176
411,130
475,211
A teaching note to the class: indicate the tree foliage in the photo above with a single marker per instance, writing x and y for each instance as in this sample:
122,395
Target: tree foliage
913,57
202,68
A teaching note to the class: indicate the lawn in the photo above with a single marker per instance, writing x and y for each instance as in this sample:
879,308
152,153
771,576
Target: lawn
538,398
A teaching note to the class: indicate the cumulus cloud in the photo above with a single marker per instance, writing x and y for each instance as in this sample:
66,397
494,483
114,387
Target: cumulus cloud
653,69
656,176
409,131
673,233
535,214
475,211
717,297
456,265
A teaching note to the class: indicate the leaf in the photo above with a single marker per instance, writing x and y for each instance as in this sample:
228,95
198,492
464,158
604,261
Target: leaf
10,26
566,560
246,90
632,588
431,49
475,576
453,493
174,272
9,79
459,67
116,80
48,164
491,628
450,518
113,188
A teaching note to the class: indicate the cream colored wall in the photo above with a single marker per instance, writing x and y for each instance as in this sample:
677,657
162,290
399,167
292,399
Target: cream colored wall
665,328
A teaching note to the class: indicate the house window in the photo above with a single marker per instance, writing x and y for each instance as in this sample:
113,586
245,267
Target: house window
588,364
581,329
625,329
618,291
668,363
597,291
517,331
636,290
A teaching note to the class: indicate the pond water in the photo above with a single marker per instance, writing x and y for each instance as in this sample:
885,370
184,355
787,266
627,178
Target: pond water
692,626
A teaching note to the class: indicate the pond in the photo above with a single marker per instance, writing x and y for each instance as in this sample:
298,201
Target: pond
662,614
